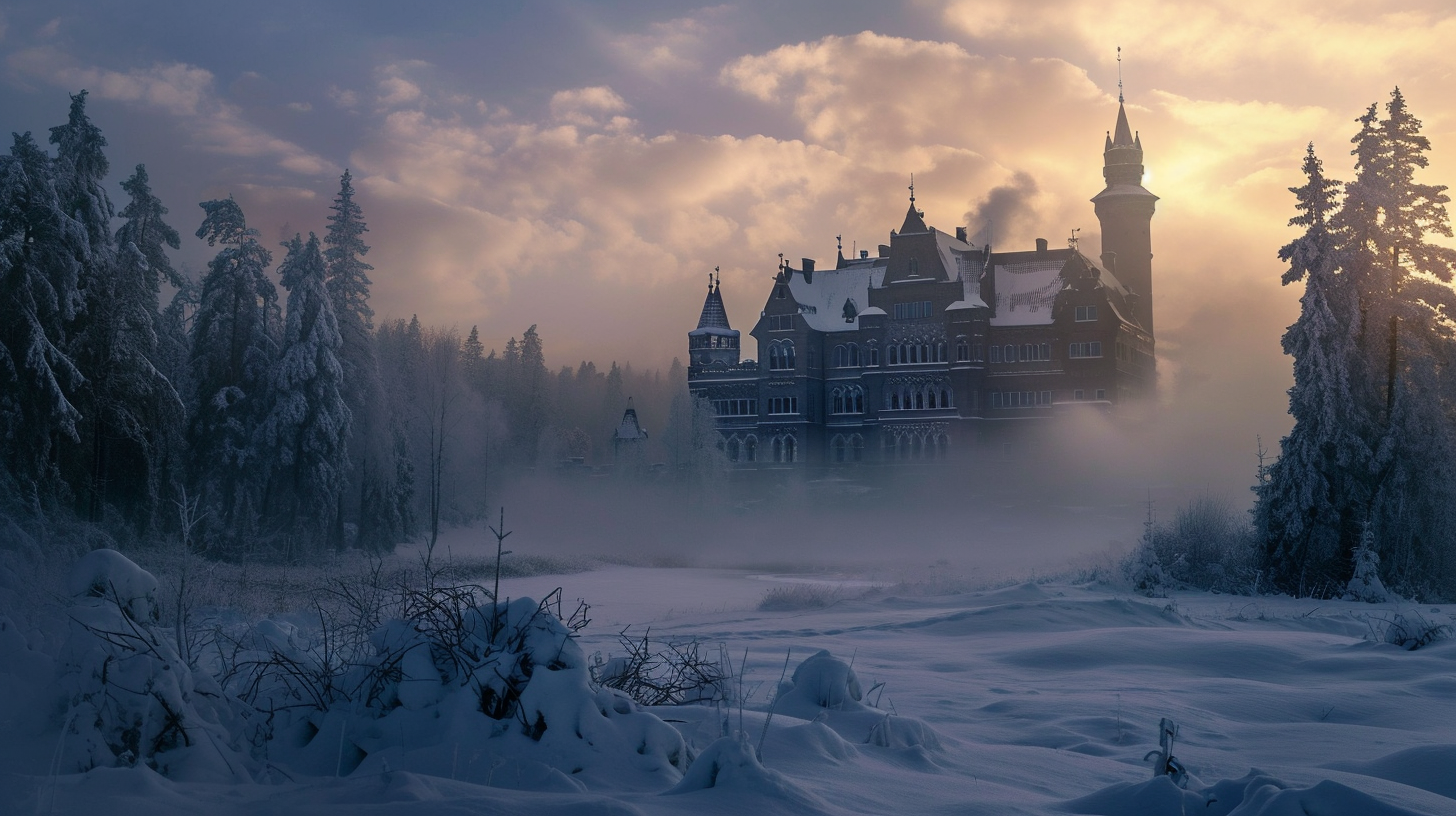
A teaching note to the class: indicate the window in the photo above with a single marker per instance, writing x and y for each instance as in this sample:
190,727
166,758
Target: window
784,322
1102,393
733,449
847,400
1079,394
940,352
841,357
853,354
1086,314
1091,348
995,354
894,355
856,448
838,449
781,355
750,449
790,449
779,292
1009,352
736,407
912,311
980,353
1020,399
963,350
783,405
874,354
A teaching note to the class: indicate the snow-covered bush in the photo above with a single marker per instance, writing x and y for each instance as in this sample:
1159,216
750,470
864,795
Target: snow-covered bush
132,699
795,597
1411,631
662,672
1208,545
826,688
1365,584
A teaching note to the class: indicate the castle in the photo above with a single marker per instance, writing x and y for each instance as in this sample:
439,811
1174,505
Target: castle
936,345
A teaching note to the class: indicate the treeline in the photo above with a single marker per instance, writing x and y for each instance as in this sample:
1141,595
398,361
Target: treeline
244,421
1363,494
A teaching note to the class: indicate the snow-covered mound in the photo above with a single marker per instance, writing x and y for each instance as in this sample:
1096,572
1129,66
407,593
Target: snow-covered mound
1254,795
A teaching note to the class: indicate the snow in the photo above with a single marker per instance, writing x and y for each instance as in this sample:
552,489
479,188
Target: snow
1034,698
1026,292
822,302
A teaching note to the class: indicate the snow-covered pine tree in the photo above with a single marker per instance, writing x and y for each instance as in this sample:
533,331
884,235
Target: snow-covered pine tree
307,428
234,344
1407,347
41,256
1309,508
348,288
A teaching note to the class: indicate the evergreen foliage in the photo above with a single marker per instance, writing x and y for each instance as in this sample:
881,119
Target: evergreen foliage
307,430
234,345
1374,445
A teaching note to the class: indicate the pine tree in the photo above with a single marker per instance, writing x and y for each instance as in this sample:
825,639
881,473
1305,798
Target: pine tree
1310,507
41,257
234,344
307,428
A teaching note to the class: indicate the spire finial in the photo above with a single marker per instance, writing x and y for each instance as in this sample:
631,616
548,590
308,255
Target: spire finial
710,283
717,278
839,242
912,188
1119,75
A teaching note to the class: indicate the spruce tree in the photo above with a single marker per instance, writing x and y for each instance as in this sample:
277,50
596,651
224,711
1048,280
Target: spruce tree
234,345
1310,508
307,428
41,257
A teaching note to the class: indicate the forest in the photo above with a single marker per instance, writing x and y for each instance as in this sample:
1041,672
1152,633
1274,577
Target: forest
251,422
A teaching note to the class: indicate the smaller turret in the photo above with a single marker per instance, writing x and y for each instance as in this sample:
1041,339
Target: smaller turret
713,342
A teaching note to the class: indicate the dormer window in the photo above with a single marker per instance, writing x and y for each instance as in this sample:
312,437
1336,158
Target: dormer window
850,310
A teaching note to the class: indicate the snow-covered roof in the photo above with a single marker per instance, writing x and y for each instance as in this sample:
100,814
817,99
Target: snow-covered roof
711,330
822,302
629,429
1027,290
873,310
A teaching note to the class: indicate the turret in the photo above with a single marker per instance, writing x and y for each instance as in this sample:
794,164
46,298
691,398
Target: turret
713,342
1125,210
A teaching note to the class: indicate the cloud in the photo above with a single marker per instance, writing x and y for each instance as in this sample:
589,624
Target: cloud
670,47
586,106
183,91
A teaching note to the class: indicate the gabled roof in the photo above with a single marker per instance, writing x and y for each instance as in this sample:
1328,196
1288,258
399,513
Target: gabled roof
822,302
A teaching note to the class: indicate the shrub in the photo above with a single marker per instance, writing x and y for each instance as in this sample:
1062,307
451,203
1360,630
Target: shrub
794,597
1209,545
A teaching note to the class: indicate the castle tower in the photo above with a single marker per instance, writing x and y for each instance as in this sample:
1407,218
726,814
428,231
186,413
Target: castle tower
1125,210
713,342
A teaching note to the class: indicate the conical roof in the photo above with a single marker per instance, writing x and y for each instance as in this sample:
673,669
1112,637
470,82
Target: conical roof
1122,135
714,316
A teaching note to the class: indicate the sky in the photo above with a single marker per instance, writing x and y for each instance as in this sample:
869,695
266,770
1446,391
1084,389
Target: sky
584,165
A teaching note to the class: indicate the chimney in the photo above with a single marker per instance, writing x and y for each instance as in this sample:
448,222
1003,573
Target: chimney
864,253
1041,246
1109,260
808,270
961,234
884,250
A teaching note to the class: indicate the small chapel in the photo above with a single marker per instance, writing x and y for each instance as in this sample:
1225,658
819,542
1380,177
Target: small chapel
934,345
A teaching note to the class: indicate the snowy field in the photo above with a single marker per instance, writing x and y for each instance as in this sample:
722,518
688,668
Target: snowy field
1031,698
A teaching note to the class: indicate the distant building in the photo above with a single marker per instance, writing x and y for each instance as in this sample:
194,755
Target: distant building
935,344
629,442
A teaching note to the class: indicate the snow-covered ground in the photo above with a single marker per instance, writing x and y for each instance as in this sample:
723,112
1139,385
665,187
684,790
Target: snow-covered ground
1031,698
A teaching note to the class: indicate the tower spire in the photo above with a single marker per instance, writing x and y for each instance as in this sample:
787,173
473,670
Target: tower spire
912,189
1119,75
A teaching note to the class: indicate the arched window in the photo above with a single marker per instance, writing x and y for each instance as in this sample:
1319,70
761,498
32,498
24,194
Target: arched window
914,353
894,355
733,449
778,449
790,449
916,446
902,446
942,446
963,350
895,401
838,449
856,448
858,400
919,400
945,398
750,449
838,394
854,355
925,352
841,356
1010,353
930,403
940,352
874,352
788,354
